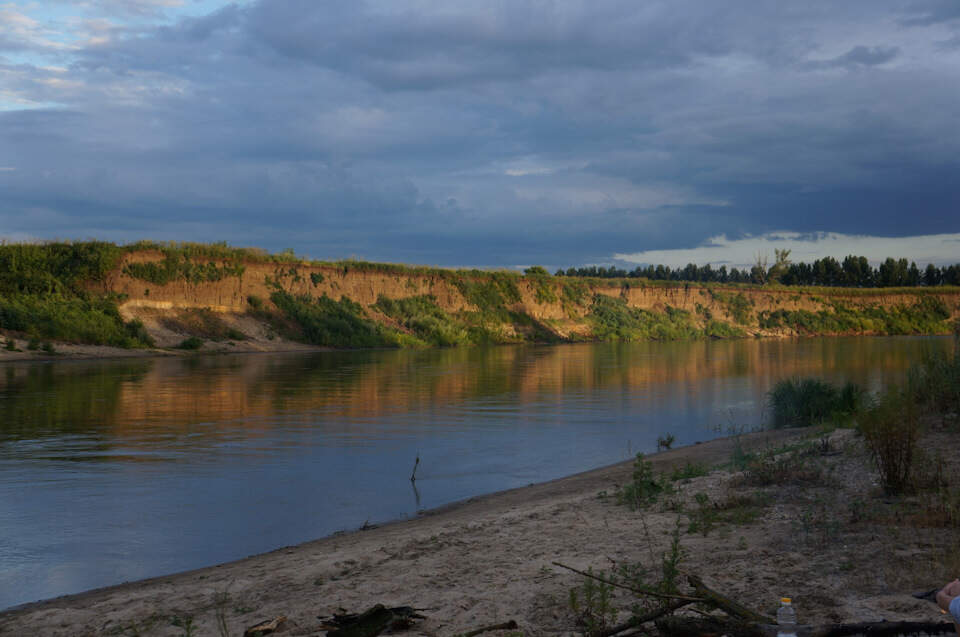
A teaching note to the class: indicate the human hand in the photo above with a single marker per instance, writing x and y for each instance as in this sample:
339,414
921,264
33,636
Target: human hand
952,588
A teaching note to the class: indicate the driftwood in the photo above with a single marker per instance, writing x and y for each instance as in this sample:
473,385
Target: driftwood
638,620
264,627
727,605
371,622
510,625
633,589
739,621
676,626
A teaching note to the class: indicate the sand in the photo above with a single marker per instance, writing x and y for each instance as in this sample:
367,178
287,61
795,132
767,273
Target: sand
833,543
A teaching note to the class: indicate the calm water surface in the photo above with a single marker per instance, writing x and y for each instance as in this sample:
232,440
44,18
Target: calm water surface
119,470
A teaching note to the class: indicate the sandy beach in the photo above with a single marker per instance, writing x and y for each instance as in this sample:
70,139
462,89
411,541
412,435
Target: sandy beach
490,559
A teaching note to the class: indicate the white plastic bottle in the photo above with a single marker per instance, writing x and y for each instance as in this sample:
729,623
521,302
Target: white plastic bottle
786,619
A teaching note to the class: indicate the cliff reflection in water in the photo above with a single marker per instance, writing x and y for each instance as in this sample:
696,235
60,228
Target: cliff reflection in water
149,398
119,470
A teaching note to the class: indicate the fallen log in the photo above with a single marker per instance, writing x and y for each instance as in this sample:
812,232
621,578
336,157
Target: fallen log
371,622
638,620
872,629
677,626
265,627
727,605
510,625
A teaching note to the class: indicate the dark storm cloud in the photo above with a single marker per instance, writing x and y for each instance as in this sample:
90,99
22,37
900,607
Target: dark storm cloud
927,12
858,56
458,133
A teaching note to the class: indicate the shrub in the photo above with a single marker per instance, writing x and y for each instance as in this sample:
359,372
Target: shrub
191,342
891,428
332,323
422,316
613,320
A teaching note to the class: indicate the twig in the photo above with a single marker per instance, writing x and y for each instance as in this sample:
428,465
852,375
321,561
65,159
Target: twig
638,591
727,605
510,625
413,476
635,621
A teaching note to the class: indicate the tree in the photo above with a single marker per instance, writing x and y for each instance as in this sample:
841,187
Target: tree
780,266
932,275
758,273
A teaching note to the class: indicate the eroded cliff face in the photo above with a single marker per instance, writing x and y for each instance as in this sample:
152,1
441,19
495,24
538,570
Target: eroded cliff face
561,305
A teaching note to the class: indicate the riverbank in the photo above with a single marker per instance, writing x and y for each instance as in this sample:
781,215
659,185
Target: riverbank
59,351
815,527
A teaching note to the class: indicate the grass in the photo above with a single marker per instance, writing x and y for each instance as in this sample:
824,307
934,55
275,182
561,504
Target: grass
810,401
927,315
323,321
688,471
737,305
426,320
613,320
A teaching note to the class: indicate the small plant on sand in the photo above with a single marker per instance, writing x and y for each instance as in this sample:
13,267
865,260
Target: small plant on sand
10,345
665,442
592,603
792,467
704,517
817,524
186,623
739,458
689,471
645,488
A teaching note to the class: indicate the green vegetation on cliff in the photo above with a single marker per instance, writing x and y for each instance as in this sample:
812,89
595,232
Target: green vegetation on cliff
323,321
71,292
614,320
928,315
426,320
49,291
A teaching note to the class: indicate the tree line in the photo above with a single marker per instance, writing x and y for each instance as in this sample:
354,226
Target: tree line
853,271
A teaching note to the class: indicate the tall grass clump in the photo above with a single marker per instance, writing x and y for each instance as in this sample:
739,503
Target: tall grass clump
934,383
810,401
891,429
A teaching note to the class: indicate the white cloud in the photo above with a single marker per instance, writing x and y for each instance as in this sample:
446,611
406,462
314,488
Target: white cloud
935,248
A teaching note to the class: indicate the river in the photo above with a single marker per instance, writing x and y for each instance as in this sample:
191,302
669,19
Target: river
118,470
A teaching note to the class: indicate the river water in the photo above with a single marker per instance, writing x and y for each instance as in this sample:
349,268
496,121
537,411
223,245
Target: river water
113,471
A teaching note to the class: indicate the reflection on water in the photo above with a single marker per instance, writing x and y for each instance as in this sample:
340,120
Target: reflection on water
116,470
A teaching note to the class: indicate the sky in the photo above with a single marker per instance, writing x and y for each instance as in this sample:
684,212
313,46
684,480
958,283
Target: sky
488,133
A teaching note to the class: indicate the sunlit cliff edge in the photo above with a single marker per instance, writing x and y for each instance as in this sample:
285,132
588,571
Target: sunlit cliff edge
195,296
457,307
